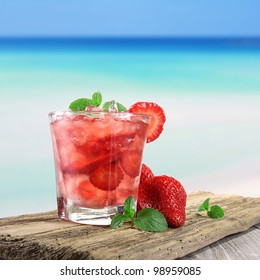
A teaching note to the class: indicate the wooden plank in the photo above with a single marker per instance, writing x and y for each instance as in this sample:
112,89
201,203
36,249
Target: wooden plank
43,236
240,246
257,226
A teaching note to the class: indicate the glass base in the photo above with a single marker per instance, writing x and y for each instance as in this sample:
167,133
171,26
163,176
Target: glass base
88,216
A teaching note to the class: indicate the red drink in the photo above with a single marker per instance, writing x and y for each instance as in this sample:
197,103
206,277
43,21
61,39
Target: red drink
98,158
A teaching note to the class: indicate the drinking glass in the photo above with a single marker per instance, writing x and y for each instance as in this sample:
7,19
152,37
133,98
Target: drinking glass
98,158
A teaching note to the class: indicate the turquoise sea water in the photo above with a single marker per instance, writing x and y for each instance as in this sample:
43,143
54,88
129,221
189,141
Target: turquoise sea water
209,88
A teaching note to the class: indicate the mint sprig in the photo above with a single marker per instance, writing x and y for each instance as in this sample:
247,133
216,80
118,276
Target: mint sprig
120,107
80,104
213,212
129,207
148,219
113,105
151,220
95,101
109,106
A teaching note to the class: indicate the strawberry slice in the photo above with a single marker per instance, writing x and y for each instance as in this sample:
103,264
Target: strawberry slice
106,177
110,144
90,196
157,117
131,162
72,161
79,191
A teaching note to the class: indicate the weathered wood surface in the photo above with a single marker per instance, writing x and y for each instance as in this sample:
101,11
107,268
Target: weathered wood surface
240,246
43,236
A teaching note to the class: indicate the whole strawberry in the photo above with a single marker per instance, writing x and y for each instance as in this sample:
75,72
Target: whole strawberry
165,194
146,174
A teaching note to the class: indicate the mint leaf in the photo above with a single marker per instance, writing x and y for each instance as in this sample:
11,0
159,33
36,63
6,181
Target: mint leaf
129,212
120,107
147,219
118,220
80,104
129,207
109,105
151,220
216,212
96,99
113,106
105,106
204,206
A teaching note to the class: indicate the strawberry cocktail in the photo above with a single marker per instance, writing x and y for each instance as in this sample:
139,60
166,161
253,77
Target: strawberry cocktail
98,158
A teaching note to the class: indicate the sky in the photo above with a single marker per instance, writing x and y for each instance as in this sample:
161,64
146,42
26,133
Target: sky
129,18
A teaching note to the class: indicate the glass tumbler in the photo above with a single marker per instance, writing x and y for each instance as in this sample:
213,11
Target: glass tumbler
98,158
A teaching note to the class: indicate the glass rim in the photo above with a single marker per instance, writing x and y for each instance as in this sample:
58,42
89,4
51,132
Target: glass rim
118,114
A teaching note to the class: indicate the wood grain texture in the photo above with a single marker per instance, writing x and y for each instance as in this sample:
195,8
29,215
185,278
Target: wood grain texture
43,236
240,246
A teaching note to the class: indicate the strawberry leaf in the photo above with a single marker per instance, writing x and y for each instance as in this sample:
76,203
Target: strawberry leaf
150,219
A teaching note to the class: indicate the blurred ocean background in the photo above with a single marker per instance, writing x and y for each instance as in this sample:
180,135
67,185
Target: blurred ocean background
209,88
